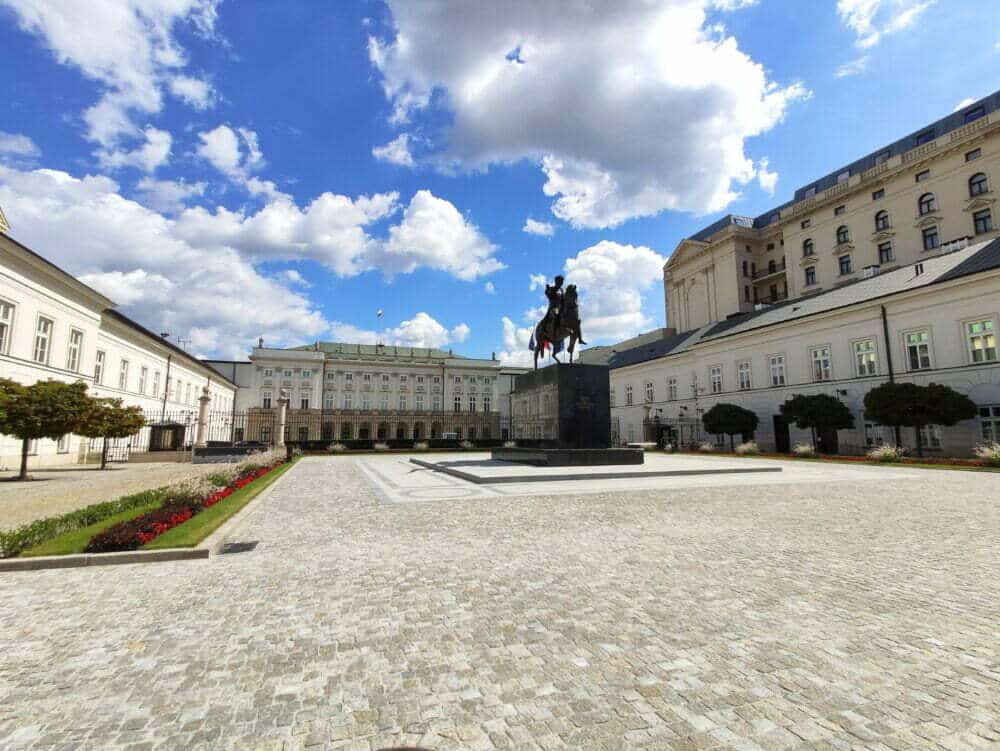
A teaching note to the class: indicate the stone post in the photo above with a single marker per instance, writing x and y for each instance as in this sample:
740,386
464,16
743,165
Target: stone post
202,428
279,439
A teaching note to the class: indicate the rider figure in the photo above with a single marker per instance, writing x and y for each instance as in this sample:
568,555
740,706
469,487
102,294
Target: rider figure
554,294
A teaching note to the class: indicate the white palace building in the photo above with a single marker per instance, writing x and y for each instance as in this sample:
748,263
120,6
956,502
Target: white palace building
887,268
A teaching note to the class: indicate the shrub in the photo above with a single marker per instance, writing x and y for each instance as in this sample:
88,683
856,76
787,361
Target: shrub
750,448
804,450
467,445
707,447
886,453
224,476
421,446
260,459
381,446
668,447
510,444
988,454
338,448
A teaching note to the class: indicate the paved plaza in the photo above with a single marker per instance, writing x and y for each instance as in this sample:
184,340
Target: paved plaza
823,607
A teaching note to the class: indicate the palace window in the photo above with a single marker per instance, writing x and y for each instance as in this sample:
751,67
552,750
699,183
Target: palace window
715,378
402,378
331,376
437,403
348,400
402,402
927,204
62,445
971,156
384,402
265,399
980,337
804,224
329,401
143,376
926,137
268,372
930,436
123,375
808,248
348,377
6,326
978,184
75,347
649,391
840,210
922,175
843,235
918,349
307,374
611,396
982,221
746,292
883,157
420,402
878,195
844,264
810,275
672,389
288,374
776,363
743,378
881,220
437,379
822,369
745,269
885,253
385,378
187,398
366,401
304,402
628,395
458,379
472,402
930,238
989,422
43,338
974,114
487,403
865,363
367,377
458,403
156,383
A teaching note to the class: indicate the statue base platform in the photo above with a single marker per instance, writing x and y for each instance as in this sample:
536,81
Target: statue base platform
558,457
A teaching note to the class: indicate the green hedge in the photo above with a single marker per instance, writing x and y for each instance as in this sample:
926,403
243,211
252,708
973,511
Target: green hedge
14,541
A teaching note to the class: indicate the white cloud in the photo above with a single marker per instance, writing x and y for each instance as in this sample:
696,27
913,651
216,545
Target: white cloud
168,196
964,103
195,92
767,180
237,154
221,148
538,281
420,331
533,227
680,97
294,277
852,67
397,151
489,288
17,144
128,47
871,20
152,154
516,338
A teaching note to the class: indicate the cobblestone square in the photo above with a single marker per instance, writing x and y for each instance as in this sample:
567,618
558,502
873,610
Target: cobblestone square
823,608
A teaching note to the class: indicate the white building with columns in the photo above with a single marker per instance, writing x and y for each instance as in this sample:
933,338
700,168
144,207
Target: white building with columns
54,327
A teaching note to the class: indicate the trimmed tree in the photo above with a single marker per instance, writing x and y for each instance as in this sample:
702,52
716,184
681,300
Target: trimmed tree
818,413
912,406
729,419
46,409
108,418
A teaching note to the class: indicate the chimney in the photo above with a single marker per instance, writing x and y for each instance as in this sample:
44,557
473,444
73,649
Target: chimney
260,342
493,356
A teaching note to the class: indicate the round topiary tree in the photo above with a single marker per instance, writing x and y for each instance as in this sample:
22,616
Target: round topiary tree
108,418
818,413
913,406
729,419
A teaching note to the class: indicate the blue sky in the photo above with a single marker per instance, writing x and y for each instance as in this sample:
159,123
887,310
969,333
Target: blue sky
228,170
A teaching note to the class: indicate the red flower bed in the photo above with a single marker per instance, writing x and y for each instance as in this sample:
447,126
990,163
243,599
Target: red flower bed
134,533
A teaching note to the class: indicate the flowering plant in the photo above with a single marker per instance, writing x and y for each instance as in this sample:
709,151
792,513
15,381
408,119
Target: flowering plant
804,450
750,448
886,453
989,454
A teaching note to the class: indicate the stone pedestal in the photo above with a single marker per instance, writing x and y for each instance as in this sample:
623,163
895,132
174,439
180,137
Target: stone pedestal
202,430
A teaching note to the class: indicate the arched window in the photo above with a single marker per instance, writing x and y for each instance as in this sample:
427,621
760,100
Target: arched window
927,204
843,234
978,184
808,248
881,221
772,266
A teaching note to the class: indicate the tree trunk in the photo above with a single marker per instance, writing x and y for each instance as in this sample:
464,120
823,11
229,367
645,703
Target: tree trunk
24,460
812,432
731,442
899,438
920,441
104,453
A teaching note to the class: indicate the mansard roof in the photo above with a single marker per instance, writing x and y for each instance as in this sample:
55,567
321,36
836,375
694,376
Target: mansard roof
388,353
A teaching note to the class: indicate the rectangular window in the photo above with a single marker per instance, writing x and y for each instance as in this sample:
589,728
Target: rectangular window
776,363
672,389
367,377
746,292
611,395
930,436
844,263
348,377
304,402
472,402
265,399
43,338
156,383
74,350
402,378
331,376
810,275
649,391
628,395
878,195
458,379
989,422
865,363
918,349
882,157
307,374
123,375
930,236
839,210
402,402
384,402
143,375
885,254
743,376
715,378
926,137
268,372
981,339
420,402
329,401
974,114
973,155
982,221
457,403
436,403
366,401
348,400
288,374
6,326
385,378
187,394
805,223
922,175
487,403
62,445
822,369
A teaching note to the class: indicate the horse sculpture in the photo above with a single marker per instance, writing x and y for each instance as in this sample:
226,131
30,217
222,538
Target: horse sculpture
561,321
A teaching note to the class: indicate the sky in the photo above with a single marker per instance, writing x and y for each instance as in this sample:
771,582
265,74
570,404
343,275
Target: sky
411,172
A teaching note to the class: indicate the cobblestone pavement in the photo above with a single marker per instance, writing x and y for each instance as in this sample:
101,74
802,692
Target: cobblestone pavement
62,489
847,614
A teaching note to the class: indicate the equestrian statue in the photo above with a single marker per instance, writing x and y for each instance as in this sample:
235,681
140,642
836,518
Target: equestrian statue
561,320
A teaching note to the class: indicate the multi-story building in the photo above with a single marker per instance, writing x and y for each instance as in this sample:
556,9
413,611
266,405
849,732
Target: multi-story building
54,327
339,391
907,201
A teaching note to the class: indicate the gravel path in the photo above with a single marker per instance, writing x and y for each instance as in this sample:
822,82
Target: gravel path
56,491
840,614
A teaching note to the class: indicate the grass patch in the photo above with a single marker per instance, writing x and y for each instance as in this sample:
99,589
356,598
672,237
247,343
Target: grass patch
76,540
200,526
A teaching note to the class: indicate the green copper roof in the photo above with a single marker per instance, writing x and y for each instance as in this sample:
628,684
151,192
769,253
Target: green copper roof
381,352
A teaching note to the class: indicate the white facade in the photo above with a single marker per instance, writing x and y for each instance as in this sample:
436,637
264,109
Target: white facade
53,327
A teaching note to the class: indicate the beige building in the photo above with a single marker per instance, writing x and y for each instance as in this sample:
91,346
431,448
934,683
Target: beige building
913,199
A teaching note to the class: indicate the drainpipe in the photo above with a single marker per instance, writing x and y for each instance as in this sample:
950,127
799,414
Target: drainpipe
166,389
888,362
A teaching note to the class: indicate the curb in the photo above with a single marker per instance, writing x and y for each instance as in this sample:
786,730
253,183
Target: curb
101,559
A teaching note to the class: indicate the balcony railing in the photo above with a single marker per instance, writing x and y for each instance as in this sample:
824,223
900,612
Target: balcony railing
768,271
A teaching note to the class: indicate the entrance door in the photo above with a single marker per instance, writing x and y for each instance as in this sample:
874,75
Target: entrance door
782,438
